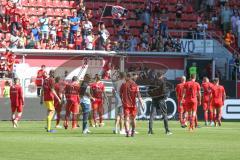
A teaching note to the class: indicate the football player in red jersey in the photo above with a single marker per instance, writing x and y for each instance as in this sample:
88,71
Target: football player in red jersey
129,91
192,97
97,89
41,75
206,101
47,96
17,101
72,92
218,97
58,86
181,103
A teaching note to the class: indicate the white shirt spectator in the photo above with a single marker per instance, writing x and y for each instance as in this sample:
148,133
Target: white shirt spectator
44,24
88,25
202,27
14,41
89,42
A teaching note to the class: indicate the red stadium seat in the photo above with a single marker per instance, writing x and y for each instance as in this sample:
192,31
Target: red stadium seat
65,4
58,12
50,12
41,3
25,2
57,4
73,4
40,11
67,12
32,11
34,19
32,3
49,3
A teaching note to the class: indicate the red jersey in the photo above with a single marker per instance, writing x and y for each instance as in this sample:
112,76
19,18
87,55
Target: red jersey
206,91
16,95
192,88
48,85
59,90
72,92
218,92
179,90
129,91
97,89
41,75
15,15
25,22
59,31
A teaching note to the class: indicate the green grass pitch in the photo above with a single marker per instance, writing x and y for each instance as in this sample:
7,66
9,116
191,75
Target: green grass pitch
31,142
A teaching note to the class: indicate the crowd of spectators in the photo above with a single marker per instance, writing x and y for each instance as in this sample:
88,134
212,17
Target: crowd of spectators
80,31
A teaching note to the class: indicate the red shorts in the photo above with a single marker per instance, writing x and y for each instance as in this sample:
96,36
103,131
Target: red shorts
57,106
205,105
72,107
191,105
17,108
97,103
182,108
217,104
130,111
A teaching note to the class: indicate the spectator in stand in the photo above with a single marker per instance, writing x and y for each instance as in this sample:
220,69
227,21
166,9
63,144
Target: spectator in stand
153,45
238,31
223,2
53,31
44,28
4,26
25,22
163,28
229,38
14,40
103,35
66,27
201,30
36,31
235,10
74,26
190,33
51,42
86,27
146,15
179,11
210,5
81,12
177,45
225,18
133,43
168,45
234,19
89,42
8,7
145,37
30,42
15,17
59,33
22,41
78,41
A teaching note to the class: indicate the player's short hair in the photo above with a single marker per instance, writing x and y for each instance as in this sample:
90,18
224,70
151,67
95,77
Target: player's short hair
128,75
97,77
15,80
74,78
122,75
205,78
51,73
7,83
87,77
215,80
43,66
57,79
193,76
